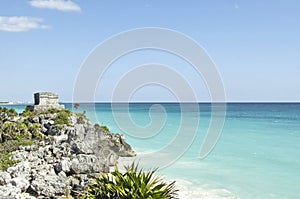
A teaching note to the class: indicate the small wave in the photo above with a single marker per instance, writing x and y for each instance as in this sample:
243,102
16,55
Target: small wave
187,190
145,152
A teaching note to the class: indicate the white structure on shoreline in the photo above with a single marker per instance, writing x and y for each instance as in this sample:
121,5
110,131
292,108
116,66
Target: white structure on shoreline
45,100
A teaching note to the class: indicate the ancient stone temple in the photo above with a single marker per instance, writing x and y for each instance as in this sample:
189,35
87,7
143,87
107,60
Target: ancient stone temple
45,100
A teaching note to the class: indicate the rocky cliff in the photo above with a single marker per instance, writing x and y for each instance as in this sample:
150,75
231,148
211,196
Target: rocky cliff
69,150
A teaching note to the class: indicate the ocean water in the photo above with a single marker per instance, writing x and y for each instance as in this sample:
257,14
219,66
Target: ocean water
257,155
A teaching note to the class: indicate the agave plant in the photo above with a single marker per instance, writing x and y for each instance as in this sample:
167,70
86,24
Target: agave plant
134,183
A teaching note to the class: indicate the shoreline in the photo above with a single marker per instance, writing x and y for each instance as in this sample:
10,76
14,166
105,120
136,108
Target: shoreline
186,188
54,150
248,125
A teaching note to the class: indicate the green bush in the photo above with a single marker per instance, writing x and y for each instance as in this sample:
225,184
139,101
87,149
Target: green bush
102,128
22,132
14,130
35,129
63,117
81,118
13,133
27,112
5,161
7,114
134,183
9,146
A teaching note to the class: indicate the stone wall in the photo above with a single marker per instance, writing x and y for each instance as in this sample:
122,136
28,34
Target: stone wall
46,100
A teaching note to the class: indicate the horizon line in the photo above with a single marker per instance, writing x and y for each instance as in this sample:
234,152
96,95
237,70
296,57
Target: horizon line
153,102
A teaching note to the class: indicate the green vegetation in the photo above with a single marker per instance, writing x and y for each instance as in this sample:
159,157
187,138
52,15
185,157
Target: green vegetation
134,183
63,117
81,118
102,128
18,131
13,133
27,112
35,130
7,114
5,161
9,146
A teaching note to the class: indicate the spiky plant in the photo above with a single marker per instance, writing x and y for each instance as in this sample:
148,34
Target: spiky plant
134,183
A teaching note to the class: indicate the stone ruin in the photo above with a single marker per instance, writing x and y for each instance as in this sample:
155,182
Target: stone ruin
65,160
44,101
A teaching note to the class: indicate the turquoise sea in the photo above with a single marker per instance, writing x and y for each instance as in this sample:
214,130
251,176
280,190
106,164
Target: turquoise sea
256,157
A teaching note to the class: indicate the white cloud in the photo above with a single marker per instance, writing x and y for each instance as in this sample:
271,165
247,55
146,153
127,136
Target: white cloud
21,24
63,5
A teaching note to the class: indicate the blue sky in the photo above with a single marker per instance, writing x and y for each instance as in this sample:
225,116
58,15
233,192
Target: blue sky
254,44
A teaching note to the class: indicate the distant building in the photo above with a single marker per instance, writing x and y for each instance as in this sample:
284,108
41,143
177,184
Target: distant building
45,100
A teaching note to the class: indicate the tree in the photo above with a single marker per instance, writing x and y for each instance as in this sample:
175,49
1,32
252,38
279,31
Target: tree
76,105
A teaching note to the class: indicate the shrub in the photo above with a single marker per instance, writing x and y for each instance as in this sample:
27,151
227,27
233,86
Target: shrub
102,128
14,130
10,129
63,117
9,146
134,183
13,133
27,112
35,129
5,161
76,105
81,118
22,132
6,114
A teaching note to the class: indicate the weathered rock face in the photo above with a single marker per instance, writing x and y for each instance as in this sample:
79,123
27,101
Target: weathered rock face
4,178
63,160
44,101
50,185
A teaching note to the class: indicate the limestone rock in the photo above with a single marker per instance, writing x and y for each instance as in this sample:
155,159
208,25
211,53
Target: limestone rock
6,190
50,185
63,165
21,169
63,159
20,183
4,178
85,164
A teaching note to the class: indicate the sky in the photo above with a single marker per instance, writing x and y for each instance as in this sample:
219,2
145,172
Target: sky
255,46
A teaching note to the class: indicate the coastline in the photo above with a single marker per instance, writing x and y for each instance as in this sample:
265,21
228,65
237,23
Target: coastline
186,189
245,161
14,103
49,151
